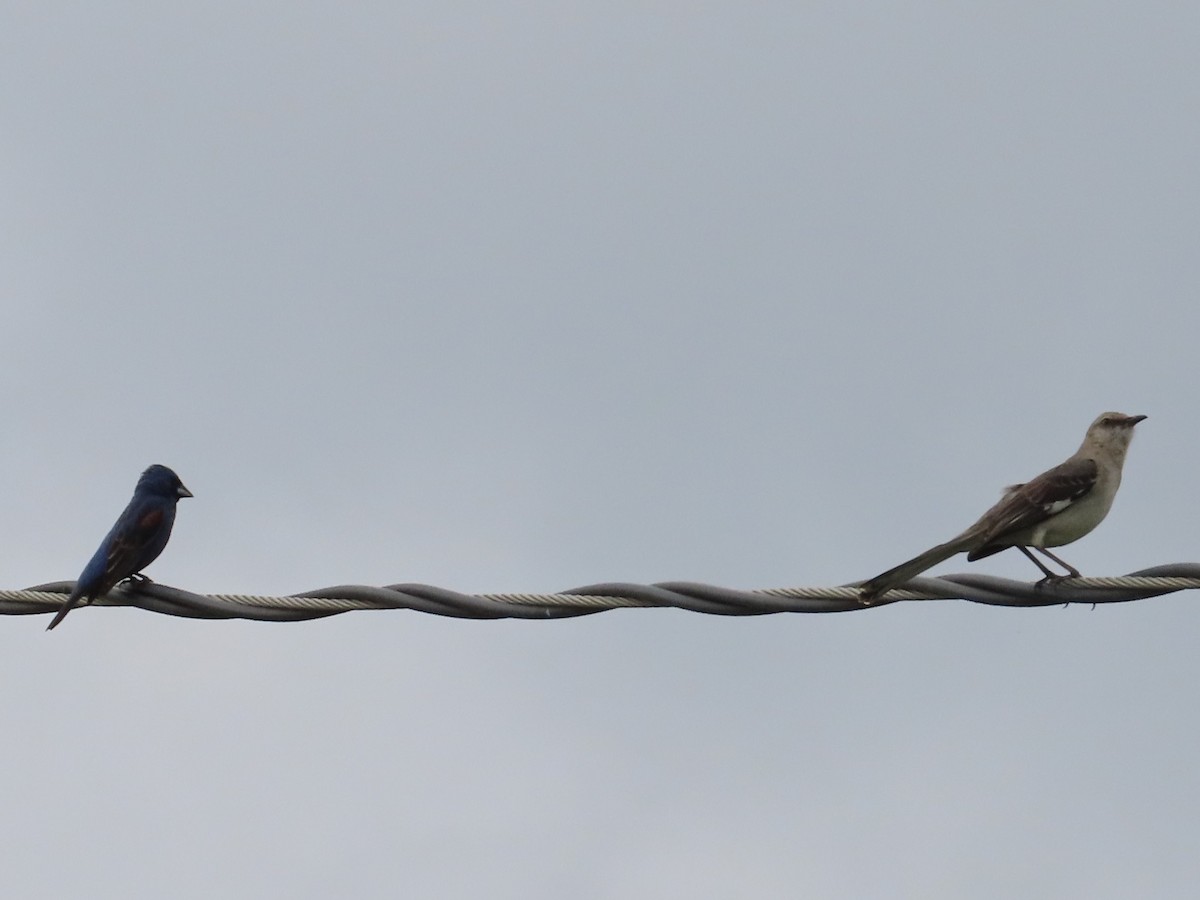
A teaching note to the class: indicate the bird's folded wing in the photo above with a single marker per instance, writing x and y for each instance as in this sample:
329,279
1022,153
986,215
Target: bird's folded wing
1029,504
127,546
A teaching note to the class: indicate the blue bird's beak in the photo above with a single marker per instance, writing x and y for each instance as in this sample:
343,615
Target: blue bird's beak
183,492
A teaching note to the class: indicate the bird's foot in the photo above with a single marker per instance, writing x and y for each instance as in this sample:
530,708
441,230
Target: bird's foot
137,579
1055,578
1052,578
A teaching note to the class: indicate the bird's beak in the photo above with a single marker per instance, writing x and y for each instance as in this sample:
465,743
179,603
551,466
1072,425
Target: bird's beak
1133,420
183,492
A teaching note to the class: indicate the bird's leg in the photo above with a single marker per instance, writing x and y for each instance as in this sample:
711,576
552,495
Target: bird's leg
1050,576
137,579
1071,570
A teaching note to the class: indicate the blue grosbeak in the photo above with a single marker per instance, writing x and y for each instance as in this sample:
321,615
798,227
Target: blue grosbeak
140,534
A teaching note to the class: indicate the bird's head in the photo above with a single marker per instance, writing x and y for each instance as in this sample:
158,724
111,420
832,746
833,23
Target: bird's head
161,482
1113,430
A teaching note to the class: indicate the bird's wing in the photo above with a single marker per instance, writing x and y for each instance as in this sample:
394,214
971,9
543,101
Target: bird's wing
130,545
1026,505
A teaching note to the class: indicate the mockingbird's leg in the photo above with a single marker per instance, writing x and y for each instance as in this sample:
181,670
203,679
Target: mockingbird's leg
1071,570
1050,575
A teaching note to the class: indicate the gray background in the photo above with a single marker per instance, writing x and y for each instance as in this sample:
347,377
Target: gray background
527,296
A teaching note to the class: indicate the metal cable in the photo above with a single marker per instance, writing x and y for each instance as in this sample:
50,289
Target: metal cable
583,601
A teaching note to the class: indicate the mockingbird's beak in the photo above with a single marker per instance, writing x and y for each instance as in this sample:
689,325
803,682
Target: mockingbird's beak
1133,420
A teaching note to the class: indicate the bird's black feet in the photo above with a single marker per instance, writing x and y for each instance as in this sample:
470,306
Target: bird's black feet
1053,578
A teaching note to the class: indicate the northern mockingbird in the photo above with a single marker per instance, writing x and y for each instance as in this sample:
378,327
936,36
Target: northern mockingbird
1059,506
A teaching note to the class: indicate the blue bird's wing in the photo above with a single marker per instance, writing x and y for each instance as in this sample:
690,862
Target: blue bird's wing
137,544
135,541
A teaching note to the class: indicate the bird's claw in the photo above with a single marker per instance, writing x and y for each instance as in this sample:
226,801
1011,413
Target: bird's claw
1052,578
1055,578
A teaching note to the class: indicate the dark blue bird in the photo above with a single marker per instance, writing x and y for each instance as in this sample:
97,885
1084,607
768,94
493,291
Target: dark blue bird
135,541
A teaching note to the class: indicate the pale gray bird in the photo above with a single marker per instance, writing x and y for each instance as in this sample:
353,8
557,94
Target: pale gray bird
1054,509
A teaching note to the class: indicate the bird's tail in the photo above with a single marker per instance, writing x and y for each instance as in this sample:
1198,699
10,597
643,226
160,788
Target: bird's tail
72,600
885,581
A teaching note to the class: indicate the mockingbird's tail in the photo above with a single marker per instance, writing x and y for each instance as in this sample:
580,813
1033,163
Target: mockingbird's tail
885,581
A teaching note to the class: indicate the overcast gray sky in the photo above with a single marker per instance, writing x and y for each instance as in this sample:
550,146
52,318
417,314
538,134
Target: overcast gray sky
527,296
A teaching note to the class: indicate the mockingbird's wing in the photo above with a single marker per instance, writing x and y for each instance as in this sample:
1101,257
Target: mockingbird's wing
1029,504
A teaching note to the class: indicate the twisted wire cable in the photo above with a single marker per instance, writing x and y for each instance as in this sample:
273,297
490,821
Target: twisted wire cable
590,599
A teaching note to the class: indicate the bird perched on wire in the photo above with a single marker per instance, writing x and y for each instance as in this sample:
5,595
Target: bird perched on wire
138,537
1059,506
